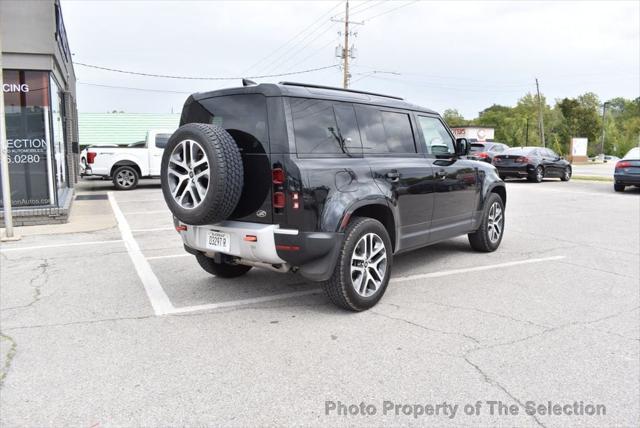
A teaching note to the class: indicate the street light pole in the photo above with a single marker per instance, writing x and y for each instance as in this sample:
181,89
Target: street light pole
604,110
4,165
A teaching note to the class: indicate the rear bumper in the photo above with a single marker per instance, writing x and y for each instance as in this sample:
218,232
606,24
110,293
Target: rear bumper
626,179
514,171
312,254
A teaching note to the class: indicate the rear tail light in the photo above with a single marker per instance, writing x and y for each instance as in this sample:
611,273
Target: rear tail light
483,155
623,164
277,175
497,159
181,228
91,156
522,159
279,200
251,238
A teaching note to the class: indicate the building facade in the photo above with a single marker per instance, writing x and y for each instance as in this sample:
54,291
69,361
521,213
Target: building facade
39,89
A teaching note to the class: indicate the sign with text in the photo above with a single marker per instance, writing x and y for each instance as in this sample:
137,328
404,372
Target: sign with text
26,98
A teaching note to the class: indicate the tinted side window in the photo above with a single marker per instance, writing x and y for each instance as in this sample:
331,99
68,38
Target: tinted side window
397,126
436,137
161,140
374,139
348,128
385,131
315,127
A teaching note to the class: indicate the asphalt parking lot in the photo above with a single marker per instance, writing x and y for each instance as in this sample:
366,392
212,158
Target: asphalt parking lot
121,327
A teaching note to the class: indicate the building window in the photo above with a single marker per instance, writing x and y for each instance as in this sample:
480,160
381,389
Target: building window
26,98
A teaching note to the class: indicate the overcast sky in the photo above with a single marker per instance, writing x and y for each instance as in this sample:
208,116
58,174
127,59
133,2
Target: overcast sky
449,54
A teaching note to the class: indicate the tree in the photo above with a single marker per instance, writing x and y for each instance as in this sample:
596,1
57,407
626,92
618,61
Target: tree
453,117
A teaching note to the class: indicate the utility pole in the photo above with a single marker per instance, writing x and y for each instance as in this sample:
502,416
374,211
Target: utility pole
346,52
4,165
604,111
527,131
540,118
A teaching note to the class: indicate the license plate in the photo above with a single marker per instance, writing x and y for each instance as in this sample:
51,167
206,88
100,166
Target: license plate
218,241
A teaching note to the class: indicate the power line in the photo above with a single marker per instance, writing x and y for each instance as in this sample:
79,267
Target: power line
166,76
133,89
302,48
389,11
295,49
317,51
369,7
307,28
358,8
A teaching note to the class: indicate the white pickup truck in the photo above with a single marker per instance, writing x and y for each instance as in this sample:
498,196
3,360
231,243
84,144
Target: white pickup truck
125,165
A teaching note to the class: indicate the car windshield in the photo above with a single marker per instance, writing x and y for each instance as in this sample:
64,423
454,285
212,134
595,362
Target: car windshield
633,153
476,148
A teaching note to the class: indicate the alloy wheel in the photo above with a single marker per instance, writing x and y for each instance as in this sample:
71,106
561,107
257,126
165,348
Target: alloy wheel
495,222
539,174
368,264
125,178
188,174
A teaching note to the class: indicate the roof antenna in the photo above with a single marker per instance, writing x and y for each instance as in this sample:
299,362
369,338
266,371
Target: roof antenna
248,82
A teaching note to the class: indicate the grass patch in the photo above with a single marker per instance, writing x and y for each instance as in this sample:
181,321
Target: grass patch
592,178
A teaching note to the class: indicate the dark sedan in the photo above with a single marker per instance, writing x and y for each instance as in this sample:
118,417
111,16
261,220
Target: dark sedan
627,171
532,163
486,151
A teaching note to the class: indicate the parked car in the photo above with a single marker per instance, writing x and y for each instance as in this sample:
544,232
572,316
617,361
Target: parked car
486,151
627,172
532,163
126,165
609,158
325,182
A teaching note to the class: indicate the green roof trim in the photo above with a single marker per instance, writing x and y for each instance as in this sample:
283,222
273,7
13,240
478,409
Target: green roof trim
121,128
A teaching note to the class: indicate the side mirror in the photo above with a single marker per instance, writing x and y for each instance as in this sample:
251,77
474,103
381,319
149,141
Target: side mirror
462,146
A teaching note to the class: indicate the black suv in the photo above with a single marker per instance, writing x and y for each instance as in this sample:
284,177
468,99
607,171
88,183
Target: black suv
326,182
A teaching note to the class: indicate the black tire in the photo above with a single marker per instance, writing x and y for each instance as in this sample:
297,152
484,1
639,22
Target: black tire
537,175
225,174
340,288
125,178
619,187
566,174
481,240
221,270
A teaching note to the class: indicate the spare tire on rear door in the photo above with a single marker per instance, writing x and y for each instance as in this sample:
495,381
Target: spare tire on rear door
201,174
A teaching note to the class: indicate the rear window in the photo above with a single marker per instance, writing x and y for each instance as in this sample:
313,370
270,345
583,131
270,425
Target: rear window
243,116
520,151
161,140
476,148
633,153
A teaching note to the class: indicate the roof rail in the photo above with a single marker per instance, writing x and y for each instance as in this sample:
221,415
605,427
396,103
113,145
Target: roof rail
333,88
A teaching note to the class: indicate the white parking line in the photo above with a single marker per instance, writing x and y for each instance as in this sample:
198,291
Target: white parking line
158,298
474,269
69,244
157,229
170,256
244,302
147,212
126,201
255,300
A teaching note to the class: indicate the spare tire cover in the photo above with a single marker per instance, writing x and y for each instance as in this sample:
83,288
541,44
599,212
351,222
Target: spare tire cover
201,174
